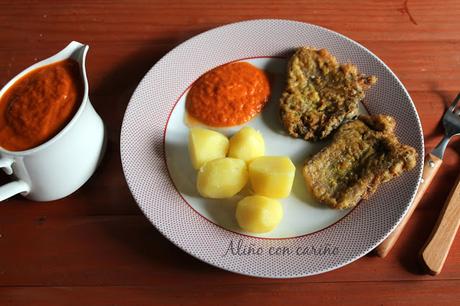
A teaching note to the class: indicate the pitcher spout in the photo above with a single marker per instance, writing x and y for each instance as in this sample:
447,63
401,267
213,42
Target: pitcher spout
76,51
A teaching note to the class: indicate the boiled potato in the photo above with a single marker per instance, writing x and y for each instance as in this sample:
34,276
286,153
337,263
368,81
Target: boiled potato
272,176
258,214
205,145
222,178
246,144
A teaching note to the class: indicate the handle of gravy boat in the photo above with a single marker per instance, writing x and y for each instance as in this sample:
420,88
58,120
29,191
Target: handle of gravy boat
12,188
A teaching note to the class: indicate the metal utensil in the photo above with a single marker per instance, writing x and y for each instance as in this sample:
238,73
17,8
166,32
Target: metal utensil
433,160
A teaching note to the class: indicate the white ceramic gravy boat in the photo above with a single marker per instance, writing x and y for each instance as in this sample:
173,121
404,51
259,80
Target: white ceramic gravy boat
62,164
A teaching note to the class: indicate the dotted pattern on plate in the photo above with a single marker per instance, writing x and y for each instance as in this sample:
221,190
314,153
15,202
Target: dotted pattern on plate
146,172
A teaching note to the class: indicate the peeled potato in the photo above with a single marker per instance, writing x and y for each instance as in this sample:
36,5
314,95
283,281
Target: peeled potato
272,176
222,178
205,145
258,214
246,144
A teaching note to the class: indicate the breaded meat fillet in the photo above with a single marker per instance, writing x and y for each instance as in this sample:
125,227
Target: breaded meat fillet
363,154
320,94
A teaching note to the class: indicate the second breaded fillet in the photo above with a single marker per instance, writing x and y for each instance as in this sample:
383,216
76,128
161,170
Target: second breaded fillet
363,154
320,94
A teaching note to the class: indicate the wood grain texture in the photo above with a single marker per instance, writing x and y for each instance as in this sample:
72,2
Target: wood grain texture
328,293
95,247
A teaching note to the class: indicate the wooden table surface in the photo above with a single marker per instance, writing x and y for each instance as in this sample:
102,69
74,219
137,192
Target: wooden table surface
96,248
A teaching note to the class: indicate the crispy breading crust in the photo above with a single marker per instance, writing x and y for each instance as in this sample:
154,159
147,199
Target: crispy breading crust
363,154
320,94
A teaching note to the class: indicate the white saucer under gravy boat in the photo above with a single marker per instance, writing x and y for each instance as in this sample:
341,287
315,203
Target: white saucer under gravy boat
65,162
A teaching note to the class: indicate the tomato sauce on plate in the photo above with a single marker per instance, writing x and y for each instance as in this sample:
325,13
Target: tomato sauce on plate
228,95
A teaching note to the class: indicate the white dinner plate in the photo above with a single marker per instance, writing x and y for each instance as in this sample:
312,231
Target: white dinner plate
311,238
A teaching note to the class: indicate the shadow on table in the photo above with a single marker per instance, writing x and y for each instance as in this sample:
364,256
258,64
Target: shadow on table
408,247
148,253
110,99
